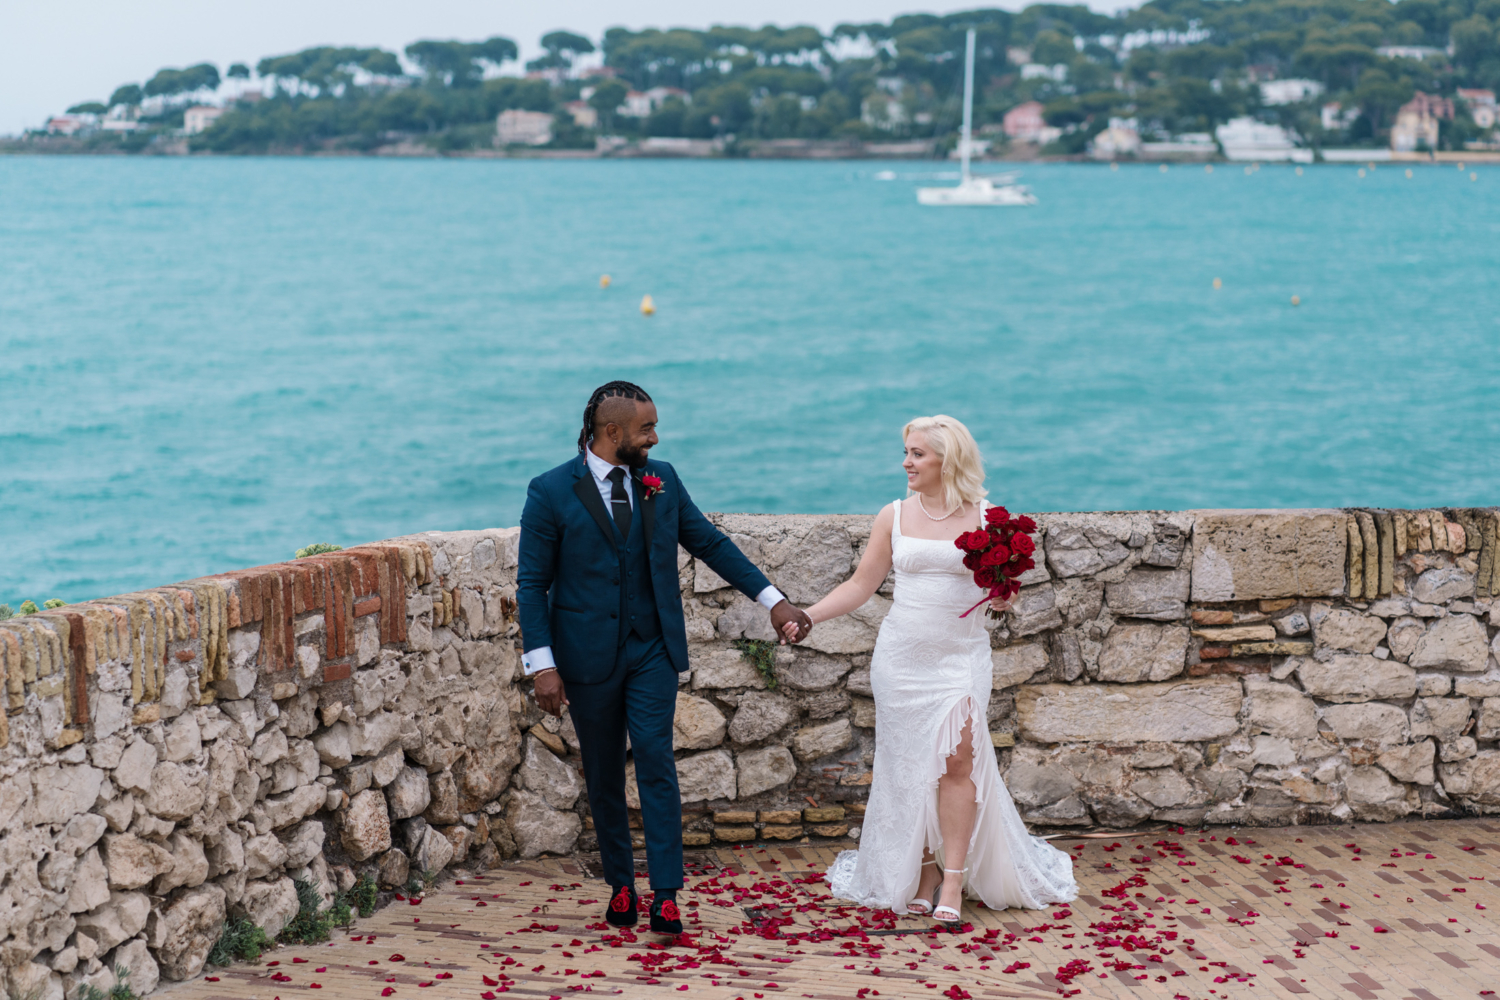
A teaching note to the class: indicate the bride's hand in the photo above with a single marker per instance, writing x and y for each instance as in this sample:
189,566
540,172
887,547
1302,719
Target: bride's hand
790,631
1002,604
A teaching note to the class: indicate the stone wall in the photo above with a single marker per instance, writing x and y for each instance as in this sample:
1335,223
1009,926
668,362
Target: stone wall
180,756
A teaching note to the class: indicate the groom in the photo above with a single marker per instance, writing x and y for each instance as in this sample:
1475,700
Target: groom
603,632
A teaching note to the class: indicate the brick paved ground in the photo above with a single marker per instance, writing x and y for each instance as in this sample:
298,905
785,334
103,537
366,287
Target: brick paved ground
1225,913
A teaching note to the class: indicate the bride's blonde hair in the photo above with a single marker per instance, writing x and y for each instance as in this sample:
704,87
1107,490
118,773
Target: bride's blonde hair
963,468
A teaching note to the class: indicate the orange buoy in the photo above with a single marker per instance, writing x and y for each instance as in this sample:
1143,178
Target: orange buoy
603,281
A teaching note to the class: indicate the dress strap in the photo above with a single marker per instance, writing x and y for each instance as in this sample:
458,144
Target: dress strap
895,522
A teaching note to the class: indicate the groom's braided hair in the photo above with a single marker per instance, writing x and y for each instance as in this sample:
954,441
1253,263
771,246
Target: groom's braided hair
628,390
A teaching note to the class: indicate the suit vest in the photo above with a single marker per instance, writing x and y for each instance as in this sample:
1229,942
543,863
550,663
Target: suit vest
638,612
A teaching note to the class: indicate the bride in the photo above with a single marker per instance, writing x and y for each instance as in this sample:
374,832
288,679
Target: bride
940,824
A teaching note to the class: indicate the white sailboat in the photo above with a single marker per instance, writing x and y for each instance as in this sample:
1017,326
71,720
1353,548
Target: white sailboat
973,190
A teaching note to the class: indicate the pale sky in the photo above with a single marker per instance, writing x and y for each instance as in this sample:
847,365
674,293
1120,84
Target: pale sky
63,52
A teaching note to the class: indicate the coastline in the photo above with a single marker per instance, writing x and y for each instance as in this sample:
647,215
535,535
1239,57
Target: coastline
773,149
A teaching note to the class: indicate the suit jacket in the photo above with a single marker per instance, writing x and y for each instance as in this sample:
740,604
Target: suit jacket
569,573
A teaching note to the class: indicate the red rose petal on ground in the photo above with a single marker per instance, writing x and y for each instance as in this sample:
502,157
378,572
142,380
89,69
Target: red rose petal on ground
490,982
315,986
298,961
387,991
398,958
210,979
321,968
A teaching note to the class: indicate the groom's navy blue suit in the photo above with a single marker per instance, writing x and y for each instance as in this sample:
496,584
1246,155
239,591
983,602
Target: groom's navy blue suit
609,607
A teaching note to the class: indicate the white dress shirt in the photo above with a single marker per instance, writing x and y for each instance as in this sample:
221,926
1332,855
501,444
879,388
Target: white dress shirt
539,659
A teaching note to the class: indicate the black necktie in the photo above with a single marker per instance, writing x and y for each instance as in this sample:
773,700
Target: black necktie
619,501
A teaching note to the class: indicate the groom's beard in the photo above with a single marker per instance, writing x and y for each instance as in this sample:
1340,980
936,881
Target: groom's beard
631,455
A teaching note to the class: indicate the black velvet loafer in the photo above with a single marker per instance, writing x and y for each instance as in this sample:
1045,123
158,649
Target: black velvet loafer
666,918
622,906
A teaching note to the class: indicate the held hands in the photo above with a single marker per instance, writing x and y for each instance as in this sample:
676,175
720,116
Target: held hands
549,693
1002,604
791,622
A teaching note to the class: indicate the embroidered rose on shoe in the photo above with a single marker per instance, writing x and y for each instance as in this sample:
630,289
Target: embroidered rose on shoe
621,902
652,485
669,911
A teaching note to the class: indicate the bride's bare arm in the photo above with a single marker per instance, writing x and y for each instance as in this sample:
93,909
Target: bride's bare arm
872,571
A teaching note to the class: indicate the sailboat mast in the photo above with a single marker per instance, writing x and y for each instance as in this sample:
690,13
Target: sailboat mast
963,141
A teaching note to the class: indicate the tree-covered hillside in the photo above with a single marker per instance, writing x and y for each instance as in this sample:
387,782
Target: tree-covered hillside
1174,65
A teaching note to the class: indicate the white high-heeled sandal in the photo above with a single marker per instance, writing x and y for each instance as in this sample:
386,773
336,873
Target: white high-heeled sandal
947,914
925,904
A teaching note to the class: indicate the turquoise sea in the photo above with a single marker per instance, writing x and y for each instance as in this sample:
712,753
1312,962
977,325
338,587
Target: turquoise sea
207,363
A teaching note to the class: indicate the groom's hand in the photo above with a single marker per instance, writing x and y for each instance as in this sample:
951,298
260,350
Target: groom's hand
550,696
786,613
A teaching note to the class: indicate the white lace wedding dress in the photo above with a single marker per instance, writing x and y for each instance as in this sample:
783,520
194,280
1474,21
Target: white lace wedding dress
931,673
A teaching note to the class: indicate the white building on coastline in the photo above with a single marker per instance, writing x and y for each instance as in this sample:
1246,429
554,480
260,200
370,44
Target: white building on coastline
1254,141
523,128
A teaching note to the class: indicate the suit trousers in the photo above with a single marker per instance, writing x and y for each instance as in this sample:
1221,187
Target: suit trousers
639,697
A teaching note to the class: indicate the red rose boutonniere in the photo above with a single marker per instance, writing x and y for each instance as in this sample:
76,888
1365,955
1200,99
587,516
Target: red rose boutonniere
652,485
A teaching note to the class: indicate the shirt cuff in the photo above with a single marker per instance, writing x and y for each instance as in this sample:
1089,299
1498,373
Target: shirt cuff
536,660
770,597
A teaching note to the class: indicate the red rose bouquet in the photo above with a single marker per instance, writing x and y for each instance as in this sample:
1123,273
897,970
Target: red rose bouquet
998,554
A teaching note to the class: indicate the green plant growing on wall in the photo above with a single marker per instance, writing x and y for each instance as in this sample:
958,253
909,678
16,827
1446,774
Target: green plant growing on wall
363,895
241,941
119,991
312,924
6,612
317,549
29,608
54,602
761,653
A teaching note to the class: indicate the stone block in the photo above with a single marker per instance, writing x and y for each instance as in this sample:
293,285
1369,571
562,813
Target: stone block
830,830
1486,685
1458,642
815,563
60,792
543,773
1351,678
708,775
1374,796
1237,633
1458,748
187,929
134,955
294,806
696,838
263,855
409,794
189,864
1410,763
780,816
437,850
1371,721
133,862
697,724
1475,778
1017,664
1244,555
780,831
90,883
863,713
763,770
1157,594
813,742
1133,653
853,633
1200,709
823,814
737,817
1280,709
1488,725
1403,635
1293,624
366,827
723,668
1165,788
1083,544
269,905
760,713
1034,610
1033,780
333,746
734,834
1443,584
394,868
1342,629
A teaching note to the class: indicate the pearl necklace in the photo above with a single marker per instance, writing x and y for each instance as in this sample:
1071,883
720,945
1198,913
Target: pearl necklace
930,517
